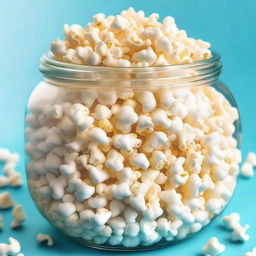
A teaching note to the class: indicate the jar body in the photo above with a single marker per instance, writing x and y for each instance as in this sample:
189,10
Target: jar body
121,169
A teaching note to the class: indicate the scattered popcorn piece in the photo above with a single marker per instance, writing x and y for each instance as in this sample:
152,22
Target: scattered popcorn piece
252,253
251,158
6,200
247,170
232,220
41,238
213,247
19,216
239,233
9,249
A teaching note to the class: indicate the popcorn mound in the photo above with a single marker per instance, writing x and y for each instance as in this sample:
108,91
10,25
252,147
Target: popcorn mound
129,40
131,168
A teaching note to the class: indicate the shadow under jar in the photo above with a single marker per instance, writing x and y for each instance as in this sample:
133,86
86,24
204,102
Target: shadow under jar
131,158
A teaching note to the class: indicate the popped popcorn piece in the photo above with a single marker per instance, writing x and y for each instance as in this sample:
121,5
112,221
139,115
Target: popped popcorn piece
126,117
9,249
140,160
252,253
147,100
247,170
251,158
98,135
19,216
232,220
97,175
41,238
213,247
6,200
120,191
114,161
126,141
239,233
66,209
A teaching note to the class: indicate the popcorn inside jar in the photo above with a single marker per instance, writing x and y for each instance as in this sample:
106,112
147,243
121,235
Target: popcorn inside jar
126,149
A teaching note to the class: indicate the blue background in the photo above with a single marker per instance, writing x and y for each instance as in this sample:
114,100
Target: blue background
27,28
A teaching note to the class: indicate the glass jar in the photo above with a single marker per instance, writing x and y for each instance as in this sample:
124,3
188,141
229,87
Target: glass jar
131,158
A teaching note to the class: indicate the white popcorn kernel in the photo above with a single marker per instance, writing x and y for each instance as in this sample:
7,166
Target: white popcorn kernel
98,135
96,156
140,160
97,175
126,117
252,253
213,206
101,112
66,209
92,36
19,216
154,141
178,109
93,59
102,216
159,118
132,229
247,170
119,23
97,202
231,221
107,97
57,186
153,212
239,233
115,239
144,124
126,141
88,96
120,191
101,48
137,202
145,55
58,48
251,158
9,249
213,247
130,215
68,169
147,100
114,161
116,207
163,45
127,175
151,33
158,160
182,212
176,125
44,238
6,200
84,191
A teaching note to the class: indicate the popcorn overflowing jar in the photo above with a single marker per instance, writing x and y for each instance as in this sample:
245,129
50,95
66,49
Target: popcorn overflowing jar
131,157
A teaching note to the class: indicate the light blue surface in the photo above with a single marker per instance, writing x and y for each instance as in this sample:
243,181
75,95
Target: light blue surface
27,27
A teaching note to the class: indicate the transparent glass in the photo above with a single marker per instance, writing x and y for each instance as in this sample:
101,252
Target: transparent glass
131,158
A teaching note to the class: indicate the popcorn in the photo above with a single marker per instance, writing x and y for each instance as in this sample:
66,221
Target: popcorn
131,166
238,233
247,170
213,247
6,200
98,135
126,117
19,216
44,238
120,191
147,100
252,253
140,160
9,249
114,161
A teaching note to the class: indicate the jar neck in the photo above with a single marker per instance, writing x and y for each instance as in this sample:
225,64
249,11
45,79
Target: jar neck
64,74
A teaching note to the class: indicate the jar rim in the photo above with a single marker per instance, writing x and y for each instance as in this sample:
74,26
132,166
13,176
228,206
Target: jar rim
69,74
